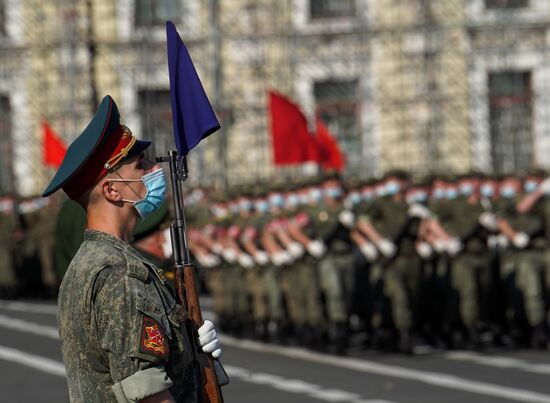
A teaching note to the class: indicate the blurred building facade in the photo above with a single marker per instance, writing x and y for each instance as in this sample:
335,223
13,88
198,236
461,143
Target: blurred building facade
426,85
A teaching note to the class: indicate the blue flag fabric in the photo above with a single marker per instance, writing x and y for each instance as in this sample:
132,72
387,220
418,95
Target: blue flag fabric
192,115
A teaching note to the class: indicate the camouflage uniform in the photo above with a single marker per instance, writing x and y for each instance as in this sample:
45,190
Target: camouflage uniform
471,274
401,274
8,226
122,333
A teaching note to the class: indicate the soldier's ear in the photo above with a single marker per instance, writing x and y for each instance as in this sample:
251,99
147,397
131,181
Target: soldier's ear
110,192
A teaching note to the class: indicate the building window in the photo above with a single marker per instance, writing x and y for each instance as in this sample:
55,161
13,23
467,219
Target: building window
510,103
331,8
337,106
156,120
6,161
151,13
506,4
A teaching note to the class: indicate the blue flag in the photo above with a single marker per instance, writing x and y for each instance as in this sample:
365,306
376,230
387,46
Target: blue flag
192,114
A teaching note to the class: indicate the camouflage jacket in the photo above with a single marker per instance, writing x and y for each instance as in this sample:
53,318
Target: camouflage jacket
120,327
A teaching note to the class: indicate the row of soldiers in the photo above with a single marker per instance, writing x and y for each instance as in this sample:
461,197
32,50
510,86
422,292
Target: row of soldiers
452,262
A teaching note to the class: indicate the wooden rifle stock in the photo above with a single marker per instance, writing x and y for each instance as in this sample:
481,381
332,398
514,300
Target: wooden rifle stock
186,288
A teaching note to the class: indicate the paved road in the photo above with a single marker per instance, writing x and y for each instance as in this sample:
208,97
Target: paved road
31,370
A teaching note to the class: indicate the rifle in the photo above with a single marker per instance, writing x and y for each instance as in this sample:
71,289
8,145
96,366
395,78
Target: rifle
209,370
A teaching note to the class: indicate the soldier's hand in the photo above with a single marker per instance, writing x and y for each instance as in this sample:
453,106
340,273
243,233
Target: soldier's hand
544,186
295,250
387,247
245,260
316,248
280,258
424,249
261,258
346,218
453,246
229,255
521,240
208,339
419,211
488,221
369,251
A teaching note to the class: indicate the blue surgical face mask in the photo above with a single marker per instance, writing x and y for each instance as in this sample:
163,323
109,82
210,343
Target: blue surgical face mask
451,193
530,186
438,193
421,197
333,193
245,205
315,195
508,192
466,189
354,198
276,200
155,183
392,188
292,200
487,190
261,206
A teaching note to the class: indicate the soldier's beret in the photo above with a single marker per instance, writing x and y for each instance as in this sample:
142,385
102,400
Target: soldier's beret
152,223
102,145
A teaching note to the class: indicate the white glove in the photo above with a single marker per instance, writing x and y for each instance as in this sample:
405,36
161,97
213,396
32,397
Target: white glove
261,258
295,250
544,186
369,251
492,242
424,249
217,248
387,247
280,258
346,218
229,255
453,246
521,240
488,221
245,260
502,241
208,339
439,245
419,211
316,248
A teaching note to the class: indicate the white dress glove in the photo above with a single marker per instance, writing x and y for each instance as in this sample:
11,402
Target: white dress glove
544,186
208,339
229,255
502,241
424,249
261,258
245,260
369,251
439,245
217,248
418,211
280,258
521,240
488,221
387,247
316,248
295,250
453,246
346,218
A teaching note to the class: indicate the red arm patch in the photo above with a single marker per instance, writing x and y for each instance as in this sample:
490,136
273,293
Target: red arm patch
153,340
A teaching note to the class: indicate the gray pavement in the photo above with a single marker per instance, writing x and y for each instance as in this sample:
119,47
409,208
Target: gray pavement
32,371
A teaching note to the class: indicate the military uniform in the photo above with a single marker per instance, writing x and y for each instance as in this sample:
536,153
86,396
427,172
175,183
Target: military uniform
145,350
123,335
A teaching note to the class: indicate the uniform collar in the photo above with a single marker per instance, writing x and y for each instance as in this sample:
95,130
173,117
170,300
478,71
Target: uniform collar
94,235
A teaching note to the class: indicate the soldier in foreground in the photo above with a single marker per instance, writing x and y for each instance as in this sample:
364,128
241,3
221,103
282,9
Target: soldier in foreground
122,333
